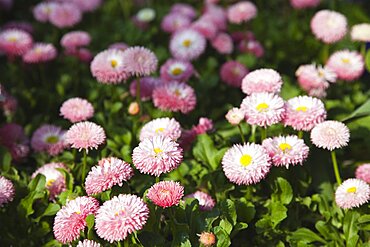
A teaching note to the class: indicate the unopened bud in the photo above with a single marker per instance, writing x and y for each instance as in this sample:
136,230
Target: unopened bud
133,108
235,116
208,239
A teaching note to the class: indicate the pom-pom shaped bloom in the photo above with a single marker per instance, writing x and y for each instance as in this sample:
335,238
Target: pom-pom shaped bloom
88,243
166,193
87,5
42,11
71,219
207,239
223,43
147,85
304,112
40,53
121,216
65,15
176,70
329,26
48,138
157,155
55,181
161,127
263,109
7,191
110,171
217,15
205,27
174,22
15,42
348,65
13,137
174,96
187,44
262,80
232,73
76,110
330,135
361,32
286,150
206,201
302,4
363,173
241,12
145,15
184,9
352,193
234,116
139,61
85,135
107,67
246,164
204,125
75,39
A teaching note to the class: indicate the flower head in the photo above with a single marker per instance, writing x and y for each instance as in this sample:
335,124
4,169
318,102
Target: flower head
161,127
234,116
187,44
40,53
48,138
348,65
206,201
352,193
15,42
42,11
363,173
76,110
121,216
166,193
330,135
176,70
233,72
361,32
204,125
184,9
242,11
75,39
87,5
173,22
205,27
223,43
207,239
262,80
302,4
139,61
88,243
7,191
157,155
329,26
65,15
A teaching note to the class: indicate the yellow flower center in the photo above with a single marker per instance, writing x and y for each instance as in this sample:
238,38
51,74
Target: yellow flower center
177,71
12,39
301,108
50,182
157,150
262,107
159,130
52,139
345,60
78,212
245,160
177,93
352,190
285,147
165,192
186,43
114,63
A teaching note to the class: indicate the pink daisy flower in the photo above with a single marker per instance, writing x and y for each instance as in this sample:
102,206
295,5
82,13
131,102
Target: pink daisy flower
303,4
55,181
65,15
76,110
234,116
147,86
139,61
232,73
110,171
48,138
71,218
85,135
352,193
223,43
157,155
348,65
206,201
173,22
184,9
242,11
330,135
251,46
88,243
263,109
7,191
361,32
161,127
187,44
41,12
87,5
217,15
205,27
262,80
207,239
204,125
329,26
40,53
107,67
13,137
166,193
363,172
304,113
174,96
286,150
176,70
121,216
15,42
75,39
246,164
119,46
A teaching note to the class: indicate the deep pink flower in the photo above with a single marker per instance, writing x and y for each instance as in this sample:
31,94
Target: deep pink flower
205,27
206,202
223,43
204,125
232,73
7,191
363,172
48,138
166,193
15,42
65,15
302,4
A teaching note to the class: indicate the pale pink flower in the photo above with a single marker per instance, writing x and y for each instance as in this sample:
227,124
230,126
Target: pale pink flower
41,12
65,15
71,219
302,4
205,27
76,110
87,5
352,193
361,32
174,96
147,86
166,193
75,39
184,9
109,172
15,42
204,125
48,138
348,65
246,164
206,201
263,109
7,191
262,80
40,53
88,243
304,113
233,72
242,11
223,43
157,155
329,26
234,116
176,70
173,22
363,172
330,135
161,127
85,135
187,44
217,15
139,61
121,216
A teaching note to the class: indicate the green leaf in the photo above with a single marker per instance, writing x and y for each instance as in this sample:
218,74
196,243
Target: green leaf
205,151
116,107
223,239
278,213
350,228
68,177
228,211
360,112
38,183
226,225
367,60
51,210
90,219
305,235
7,160
284,192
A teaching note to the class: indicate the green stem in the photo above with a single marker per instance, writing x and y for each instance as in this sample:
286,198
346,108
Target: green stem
325,53
156,179
263,133
126,243
118,244
363,49
335,166
241,133
84,163
253,134
138,98
300,134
